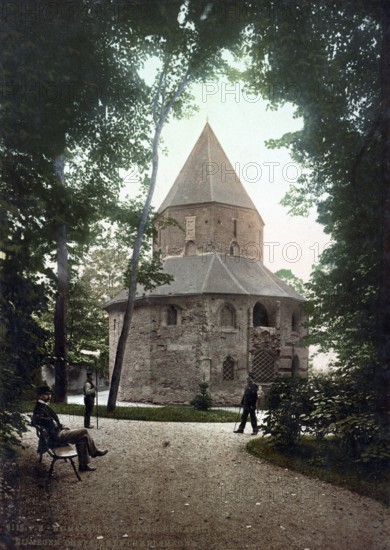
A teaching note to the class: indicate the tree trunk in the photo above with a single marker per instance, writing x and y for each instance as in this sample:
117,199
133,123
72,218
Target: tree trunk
60,315
159,120
383,368
120,352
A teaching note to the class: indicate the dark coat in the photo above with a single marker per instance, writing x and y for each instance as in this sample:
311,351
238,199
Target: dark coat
44,416
249,399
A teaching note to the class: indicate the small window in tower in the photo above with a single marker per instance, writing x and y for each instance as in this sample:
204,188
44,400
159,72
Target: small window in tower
234,228
171,315
190,249
234,249
295,322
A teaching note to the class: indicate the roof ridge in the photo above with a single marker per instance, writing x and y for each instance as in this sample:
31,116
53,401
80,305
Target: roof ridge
232,277
208,272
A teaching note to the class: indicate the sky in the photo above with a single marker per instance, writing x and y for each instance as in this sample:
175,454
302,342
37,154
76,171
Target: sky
243,124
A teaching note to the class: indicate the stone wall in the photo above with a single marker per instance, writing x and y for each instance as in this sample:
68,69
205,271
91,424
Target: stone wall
164,363
77,376
213,227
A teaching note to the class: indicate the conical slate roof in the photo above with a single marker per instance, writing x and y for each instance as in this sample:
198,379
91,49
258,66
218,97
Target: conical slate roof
216,274
207,176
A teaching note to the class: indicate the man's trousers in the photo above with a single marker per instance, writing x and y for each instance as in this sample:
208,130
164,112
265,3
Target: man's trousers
244,418
85,445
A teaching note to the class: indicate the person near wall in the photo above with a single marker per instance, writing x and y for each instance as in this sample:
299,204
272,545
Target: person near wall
47,418
89,391
249,404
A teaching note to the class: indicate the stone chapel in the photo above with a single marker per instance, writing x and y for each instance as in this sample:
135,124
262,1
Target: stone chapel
225,313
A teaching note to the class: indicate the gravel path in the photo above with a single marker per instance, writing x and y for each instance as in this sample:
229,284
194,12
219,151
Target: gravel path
186,486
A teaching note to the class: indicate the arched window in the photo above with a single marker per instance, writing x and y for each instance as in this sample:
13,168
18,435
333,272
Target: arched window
171,315
263,367
234,249
227,316
295,322
228,369
260,316
190,249
295,366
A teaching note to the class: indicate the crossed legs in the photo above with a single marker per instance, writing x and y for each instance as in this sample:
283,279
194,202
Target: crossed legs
85,445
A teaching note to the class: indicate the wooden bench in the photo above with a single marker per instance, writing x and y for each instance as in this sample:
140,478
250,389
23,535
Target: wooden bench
65,452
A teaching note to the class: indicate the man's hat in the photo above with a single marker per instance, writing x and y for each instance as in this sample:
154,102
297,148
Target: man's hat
43,389
89,371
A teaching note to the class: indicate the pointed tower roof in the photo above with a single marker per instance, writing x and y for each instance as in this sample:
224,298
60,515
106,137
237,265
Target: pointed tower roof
207,176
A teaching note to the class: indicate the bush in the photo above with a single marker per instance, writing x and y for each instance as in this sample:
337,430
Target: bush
339,406
202,400
287,402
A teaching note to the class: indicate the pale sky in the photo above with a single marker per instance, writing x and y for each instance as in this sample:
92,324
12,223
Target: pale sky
242,124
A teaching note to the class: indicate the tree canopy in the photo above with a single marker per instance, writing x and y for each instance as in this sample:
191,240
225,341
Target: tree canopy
331,60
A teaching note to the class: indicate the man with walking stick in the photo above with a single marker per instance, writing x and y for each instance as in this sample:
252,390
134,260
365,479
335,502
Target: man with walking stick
249,404
89,391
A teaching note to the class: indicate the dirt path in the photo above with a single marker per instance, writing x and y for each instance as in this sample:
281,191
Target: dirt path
186,486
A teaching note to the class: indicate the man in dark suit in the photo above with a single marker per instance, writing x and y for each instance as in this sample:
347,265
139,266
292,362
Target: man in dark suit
45,417
89,391
249,404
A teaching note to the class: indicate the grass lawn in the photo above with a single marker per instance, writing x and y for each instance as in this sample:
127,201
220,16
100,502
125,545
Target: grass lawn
171,413
322,461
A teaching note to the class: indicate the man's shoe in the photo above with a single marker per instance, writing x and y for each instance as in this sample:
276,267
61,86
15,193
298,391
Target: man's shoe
101,453
255,432
86,469
89,427
238,431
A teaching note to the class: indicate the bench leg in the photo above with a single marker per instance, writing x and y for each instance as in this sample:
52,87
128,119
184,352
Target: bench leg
75,470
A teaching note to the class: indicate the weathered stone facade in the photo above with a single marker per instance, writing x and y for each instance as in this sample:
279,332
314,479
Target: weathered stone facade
224,314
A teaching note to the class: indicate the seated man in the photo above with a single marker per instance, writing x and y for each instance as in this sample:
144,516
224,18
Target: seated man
45,417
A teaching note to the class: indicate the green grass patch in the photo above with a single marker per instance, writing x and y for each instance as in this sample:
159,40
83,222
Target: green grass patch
171,413
321,460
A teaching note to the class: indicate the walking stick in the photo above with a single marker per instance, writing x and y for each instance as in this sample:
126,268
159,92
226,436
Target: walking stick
238,416
97,400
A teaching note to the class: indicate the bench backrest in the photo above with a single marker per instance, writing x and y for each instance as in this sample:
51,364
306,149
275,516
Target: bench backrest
43,436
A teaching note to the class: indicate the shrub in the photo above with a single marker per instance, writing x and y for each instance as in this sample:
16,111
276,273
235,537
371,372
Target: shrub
339,406
288,402
202,400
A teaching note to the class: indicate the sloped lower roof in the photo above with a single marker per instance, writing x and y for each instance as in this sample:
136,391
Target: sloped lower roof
215,274
207,176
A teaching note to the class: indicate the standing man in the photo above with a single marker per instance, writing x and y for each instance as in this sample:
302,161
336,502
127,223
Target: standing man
45,417
249,404
89,399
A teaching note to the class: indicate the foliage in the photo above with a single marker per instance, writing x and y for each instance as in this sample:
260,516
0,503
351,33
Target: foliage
12,427
287,401
341,63
202,400
22,340
338,406
295,282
